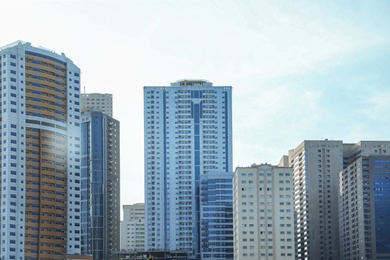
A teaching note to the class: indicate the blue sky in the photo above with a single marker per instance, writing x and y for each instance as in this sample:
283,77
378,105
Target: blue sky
299,69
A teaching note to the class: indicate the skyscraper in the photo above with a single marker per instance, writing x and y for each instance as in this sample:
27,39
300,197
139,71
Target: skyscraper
40,153
316,166
100,184
188,132
364,201
263,212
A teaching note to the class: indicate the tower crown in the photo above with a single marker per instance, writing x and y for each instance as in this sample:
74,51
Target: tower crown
192,82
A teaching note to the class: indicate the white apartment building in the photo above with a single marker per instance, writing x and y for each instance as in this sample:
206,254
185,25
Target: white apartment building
133,234
263,212
133,227
188,132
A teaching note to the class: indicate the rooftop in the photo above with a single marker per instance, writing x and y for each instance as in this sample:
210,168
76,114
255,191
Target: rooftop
192,82
19,42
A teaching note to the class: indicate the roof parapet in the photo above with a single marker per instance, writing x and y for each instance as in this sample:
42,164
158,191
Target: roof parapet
13,44
192,82
20,42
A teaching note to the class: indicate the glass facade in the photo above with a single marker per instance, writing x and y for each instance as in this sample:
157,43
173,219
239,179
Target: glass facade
216,216
381,181
100,184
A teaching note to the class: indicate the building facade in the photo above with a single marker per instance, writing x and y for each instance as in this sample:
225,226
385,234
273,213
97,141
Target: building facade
316,166
133,235
134,211
40,153
364,201
216,215
263,212
100,184
133,227
151,254
188,132
97,102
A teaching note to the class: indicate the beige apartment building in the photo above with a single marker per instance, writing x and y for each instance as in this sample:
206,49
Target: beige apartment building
263,212
97,101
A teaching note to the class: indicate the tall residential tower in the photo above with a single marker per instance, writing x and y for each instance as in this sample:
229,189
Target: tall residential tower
188,132
364,201
40,153
100,176
100,172
316,166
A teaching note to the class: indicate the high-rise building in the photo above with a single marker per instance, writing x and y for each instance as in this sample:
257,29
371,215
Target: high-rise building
364,201
40,153
316,166
133,227
263,212
100,185
97,102
188,132
216,216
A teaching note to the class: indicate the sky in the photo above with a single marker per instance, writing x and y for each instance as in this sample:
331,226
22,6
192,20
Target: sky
300,70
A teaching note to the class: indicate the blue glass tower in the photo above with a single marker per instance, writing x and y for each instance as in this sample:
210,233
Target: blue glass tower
187,133
380,167
216,215
100,185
